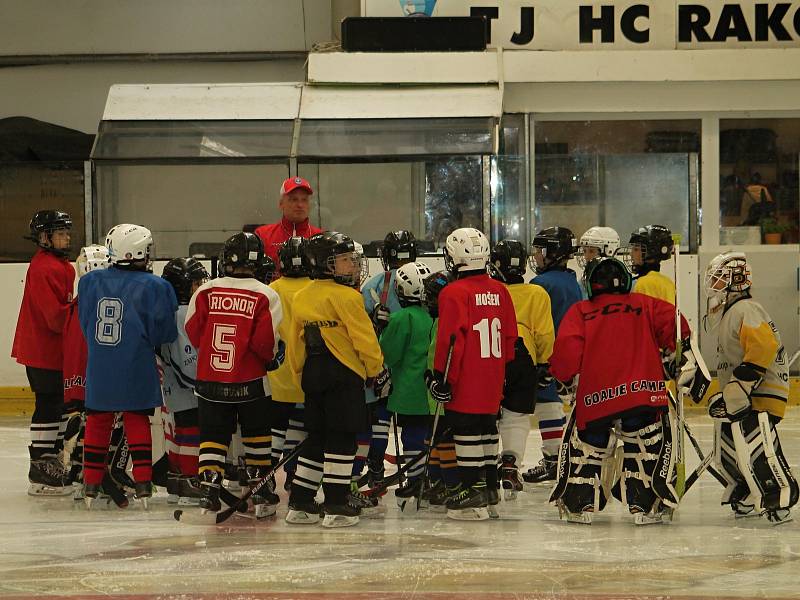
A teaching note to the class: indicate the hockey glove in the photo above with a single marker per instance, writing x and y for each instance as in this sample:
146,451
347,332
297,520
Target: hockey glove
693,379
437,386
382,386
566,390
280,356
545,379
380,317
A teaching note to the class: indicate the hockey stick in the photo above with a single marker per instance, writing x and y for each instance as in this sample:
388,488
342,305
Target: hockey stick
697,448
228,512
680,458
793,359
695,475
397,454
436,413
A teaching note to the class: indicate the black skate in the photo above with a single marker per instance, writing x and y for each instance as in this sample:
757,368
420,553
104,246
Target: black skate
739,502
492,500
188,490
777,516
265,503
469,504
438,502
544,472
47,477
209,486
407,494
431,491
340,515
142,492
303,512
172,487
370,505
509,477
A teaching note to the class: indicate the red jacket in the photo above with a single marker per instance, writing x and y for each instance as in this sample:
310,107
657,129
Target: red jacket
275,234
479,311
49,285
613,342
75,354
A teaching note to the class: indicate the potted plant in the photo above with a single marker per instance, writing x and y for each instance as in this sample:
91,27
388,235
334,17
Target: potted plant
772,230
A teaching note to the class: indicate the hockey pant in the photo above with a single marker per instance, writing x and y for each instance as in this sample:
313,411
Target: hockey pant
288,430
46,422
98,436
414,430
749,456
218,422
182,440
521,383
514,428
476,441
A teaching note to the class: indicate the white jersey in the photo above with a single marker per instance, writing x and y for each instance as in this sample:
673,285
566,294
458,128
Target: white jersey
180,368
747,334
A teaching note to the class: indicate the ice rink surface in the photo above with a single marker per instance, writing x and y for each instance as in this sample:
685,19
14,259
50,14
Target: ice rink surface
53,547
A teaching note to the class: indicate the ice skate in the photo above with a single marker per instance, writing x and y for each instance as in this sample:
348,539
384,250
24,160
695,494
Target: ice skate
469,504
47,477
438,502
777,516
77,492
188,491
431,492
652,517
492,499
544,472
340,515
172,487
582,518
209,486
142,492
232,479
303,512
266,501
370,506
406,495
509,477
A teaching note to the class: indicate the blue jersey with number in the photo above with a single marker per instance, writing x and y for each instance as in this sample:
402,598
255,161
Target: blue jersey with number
124,316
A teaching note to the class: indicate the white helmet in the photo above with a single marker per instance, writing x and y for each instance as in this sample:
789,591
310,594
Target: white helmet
604,239
91,258
127,243
727,273
409,282
466,249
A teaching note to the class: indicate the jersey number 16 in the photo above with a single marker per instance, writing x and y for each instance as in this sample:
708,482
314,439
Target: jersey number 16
491,342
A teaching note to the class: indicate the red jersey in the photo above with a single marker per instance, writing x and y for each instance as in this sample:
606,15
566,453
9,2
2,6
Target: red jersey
275,234
233,323
479,311
613,342
75,353
49,285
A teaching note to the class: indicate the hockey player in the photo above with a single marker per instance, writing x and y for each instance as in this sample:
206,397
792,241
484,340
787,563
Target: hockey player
287,395
619,393
265,272
550,251
479,312
649,246
185,275
233,322
38,344
597,242
405,342
753,376
380,300
125,312
333,351
533,347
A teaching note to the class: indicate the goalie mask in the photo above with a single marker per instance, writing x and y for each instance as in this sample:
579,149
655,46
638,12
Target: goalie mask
466,249
91,258
727,277
597,242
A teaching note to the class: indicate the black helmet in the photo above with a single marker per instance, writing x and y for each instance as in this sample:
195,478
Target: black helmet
399,247
292,257
606,276
265,272
242,250
433,284
510,258
557,245
322,250
48,221
181,273
655,240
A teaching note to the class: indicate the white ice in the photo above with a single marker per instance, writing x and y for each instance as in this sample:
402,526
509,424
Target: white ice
53,546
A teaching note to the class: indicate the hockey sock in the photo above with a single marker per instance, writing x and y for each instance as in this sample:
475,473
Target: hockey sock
48,388
279,419
256,449
171,446
277,444
362,450
448,463
413,438
295,433
469,456
98,435
514,428
551,425
140,444
340,449
380,438
434,467
308,474
187,442
491,441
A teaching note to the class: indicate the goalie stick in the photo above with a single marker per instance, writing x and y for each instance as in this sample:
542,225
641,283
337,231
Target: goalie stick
680,455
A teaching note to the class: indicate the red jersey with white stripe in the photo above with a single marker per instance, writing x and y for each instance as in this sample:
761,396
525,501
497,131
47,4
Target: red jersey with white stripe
614,343
233,323
479,311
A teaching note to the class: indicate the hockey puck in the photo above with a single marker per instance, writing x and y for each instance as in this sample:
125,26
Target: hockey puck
177,514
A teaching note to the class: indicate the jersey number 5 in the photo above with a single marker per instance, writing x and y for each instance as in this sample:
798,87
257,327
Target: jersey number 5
224,349
108,329
491,343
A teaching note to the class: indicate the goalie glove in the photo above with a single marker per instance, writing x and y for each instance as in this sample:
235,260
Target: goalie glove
734,402
382,386
544,379
437,386
278,358
380,317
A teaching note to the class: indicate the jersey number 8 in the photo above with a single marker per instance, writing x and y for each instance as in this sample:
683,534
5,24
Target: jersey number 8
108,330
491,343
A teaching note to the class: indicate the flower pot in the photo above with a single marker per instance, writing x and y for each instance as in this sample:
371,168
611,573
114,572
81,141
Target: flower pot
772,238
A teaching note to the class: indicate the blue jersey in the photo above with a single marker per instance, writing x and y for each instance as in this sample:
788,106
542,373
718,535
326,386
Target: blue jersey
124,316
564,291
180,368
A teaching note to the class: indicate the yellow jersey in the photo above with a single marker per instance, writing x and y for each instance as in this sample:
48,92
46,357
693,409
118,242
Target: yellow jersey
655,285
534,319
284,387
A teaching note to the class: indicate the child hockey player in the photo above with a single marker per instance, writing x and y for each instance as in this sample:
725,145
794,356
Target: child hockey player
405,343
551,249
753,375
333,351
125,312
533,347
649,246
619,393
597,242
479,312
185,275
38,342
233,322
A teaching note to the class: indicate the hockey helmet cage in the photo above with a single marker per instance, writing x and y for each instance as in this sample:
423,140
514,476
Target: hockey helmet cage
91,258
128,243
242,250
597,242
292,258
398,247
727,276
322,252
363,263
510,258
409,283
606,276
181,273
466,249
655,241
556,245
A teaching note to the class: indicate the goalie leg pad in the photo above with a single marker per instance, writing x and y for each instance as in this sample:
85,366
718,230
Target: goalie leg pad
737,492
